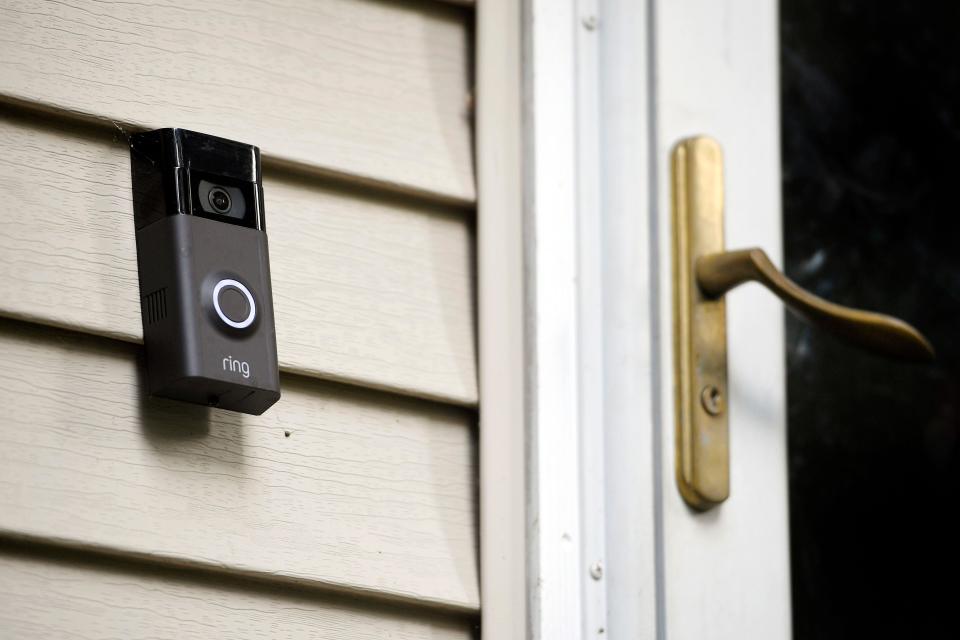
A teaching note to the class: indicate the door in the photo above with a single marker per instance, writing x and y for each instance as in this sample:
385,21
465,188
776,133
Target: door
615,546
613,549
724,572
842,460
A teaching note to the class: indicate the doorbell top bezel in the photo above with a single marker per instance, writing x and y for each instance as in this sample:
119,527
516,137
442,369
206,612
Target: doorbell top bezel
176,171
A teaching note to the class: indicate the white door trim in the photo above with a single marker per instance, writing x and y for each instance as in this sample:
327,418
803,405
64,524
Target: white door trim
587,109
555,208
566,360
501,317
631,329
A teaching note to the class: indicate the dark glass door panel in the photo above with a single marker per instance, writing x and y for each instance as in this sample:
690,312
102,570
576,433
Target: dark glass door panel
870,95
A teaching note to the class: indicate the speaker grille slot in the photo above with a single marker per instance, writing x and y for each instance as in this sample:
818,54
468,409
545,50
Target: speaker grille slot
155,306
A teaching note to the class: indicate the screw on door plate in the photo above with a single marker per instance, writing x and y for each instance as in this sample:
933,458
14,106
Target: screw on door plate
596,570
712,400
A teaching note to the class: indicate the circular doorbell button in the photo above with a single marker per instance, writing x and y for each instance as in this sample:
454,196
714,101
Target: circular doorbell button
234,304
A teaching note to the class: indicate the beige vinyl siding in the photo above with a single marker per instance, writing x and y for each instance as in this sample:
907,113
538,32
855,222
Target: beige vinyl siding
369,492
377,91
53,598
372,290
347,510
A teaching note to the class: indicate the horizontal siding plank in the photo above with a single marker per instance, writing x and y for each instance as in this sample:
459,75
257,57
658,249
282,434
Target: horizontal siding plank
370,89
334,486
43,598
371,291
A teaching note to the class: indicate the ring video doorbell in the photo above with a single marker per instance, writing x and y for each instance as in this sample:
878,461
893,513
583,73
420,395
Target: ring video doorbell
204,270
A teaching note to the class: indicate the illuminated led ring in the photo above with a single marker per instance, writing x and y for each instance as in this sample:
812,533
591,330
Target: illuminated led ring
216,303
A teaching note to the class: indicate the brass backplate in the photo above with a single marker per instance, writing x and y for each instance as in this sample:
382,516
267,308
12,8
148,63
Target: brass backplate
700,326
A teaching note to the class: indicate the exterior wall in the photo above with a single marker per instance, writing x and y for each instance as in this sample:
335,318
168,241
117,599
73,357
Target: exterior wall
351,504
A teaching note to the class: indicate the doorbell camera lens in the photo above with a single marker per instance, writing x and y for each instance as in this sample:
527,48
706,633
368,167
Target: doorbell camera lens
219,199
207,306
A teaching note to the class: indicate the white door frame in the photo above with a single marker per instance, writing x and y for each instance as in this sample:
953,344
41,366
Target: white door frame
562,136
577,112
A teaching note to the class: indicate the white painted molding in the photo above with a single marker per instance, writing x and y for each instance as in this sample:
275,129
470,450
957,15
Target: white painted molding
502,348
585,207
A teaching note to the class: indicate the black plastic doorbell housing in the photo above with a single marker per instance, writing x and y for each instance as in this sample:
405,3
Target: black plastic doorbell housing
207,307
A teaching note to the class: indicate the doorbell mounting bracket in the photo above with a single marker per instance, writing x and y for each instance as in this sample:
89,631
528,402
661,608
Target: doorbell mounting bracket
206,302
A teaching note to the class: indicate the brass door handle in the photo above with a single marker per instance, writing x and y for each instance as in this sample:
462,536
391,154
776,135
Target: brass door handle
718,273
703,272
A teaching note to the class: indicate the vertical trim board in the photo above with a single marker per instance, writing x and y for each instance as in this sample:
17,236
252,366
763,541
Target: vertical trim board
502,339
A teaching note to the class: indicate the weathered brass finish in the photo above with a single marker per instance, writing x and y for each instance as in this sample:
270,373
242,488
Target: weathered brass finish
719,272
703,272
700,338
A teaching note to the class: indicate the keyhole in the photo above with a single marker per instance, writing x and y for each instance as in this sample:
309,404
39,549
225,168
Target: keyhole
712,400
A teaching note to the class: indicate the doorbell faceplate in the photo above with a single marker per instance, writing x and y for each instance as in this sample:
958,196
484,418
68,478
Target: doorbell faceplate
204,269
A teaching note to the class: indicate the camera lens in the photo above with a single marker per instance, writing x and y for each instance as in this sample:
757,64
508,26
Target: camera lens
219,199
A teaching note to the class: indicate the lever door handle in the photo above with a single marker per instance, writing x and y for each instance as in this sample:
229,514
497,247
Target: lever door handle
703,272
718,273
